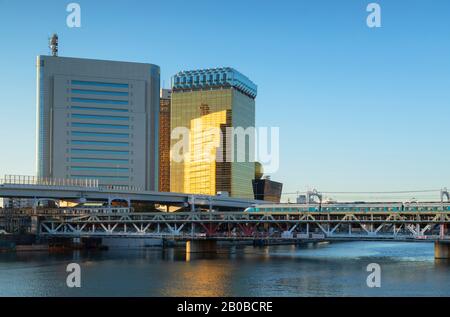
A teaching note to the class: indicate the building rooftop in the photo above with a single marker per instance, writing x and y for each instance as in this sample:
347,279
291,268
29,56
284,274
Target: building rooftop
214,77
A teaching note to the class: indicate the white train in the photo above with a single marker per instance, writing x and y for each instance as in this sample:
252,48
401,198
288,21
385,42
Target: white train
350,207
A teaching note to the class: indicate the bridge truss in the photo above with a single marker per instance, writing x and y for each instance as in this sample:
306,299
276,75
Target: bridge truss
241,226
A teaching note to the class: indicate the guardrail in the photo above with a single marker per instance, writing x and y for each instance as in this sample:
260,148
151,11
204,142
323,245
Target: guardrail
46,181
65,211
89,183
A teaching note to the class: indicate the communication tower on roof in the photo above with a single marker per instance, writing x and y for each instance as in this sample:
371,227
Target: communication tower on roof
53,44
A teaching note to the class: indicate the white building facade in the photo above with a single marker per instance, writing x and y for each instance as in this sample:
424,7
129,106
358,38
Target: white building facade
98,120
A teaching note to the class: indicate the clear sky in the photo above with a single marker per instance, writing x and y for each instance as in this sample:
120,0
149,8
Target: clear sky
358,108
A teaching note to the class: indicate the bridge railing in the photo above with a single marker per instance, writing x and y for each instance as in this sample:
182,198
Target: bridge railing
46,181
120,188
89,183
66,211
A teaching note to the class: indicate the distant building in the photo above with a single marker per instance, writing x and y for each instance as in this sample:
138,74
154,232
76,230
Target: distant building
164,140
268,190
99,120
17,203
301,199
203,101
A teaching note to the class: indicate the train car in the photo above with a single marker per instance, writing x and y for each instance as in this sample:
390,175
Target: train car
426,206
363,207
350,207
283,208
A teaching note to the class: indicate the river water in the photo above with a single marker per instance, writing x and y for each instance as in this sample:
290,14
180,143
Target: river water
338,269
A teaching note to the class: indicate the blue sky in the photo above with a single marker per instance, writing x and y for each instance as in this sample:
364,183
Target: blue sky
358,108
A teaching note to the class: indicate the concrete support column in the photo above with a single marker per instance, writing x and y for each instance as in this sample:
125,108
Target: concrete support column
35,225
441,250
201,246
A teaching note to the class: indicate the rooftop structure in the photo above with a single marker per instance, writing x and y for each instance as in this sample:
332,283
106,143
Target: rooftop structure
214,77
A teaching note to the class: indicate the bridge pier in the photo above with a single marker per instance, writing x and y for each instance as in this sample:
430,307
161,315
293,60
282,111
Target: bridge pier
201,246
441,250
34,225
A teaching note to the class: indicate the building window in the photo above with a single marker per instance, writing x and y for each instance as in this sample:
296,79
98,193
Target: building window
101,135
111,178
98,84
100,126
99,152
98,160
98,117
100,169
99,92
99,143
98,109
100,101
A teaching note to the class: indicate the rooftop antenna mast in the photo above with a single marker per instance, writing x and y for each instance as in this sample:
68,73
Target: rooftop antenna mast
53,44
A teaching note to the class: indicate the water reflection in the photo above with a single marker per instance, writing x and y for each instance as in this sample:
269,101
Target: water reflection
199,278
338,269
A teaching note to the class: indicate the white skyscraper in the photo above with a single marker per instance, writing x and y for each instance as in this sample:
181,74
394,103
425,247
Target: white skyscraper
98,120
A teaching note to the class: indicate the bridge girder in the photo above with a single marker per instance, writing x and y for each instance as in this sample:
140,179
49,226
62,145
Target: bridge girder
232,225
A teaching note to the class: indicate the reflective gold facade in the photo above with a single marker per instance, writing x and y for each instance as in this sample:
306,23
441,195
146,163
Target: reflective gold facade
200,164
207,113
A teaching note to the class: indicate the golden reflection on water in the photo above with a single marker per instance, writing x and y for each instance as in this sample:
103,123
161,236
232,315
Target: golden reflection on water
199,276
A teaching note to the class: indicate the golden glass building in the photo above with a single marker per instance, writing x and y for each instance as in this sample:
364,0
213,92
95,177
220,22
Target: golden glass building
206,104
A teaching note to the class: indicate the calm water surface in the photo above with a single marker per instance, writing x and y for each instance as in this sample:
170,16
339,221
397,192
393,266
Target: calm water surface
408,269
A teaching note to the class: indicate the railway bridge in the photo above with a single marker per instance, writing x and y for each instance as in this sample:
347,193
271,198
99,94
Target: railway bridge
259,227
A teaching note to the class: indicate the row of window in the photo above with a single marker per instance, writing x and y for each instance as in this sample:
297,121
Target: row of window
81,152
100,126
360,209
197,78
41,126
98,109
99,117
334,209
99,152
100,143
98,160
101,134
98,84
100,101
101,169
99,92
110,178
